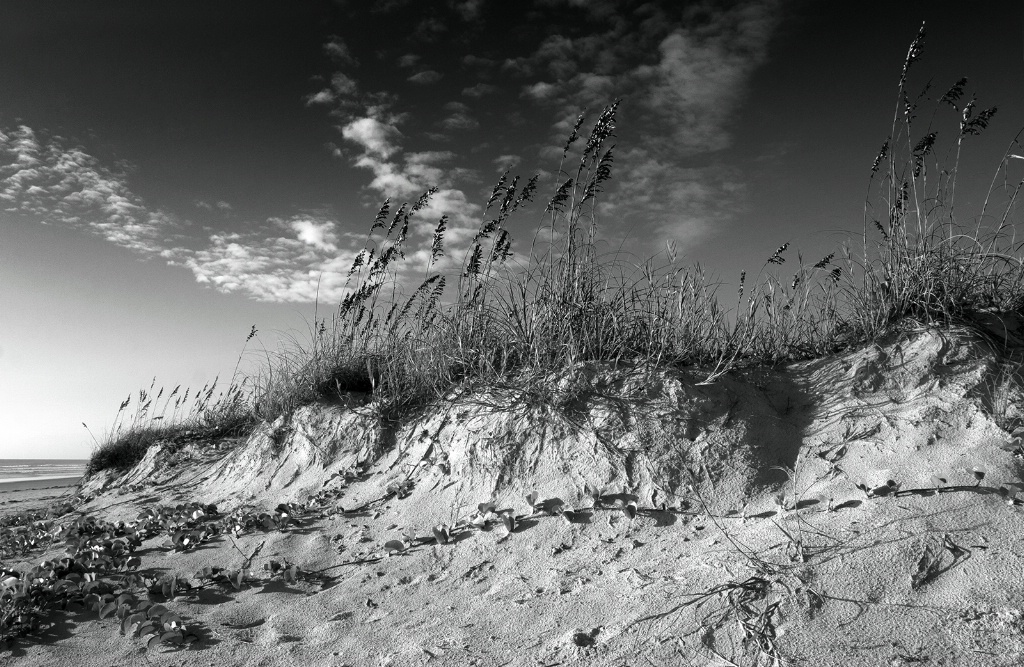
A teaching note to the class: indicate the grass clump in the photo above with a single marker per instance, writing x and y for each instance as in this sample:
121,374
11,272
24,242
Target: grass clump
411,329
182,417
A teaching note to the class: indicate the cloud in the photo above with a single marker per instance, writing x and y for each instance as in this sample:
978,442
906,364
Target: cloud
404,176
68,187
324,96
317,233
459,119
425,78
408,60
503,162
429,29
377,139
703,61
468,10
279,260
682,72
480,62
670,202
540,91
274,268
342,87
479,90
338,51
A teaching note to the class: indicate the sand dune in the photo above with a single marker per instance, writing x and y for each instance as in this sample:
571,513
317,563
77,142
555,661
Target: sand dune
786,516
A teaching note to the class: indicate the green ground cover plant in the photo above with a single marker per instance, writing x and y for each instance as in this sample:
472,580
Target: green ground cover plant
407,335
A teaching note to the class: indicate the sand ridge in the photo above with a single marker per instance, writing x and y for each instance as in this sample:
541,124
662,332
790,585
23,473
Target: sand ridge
783,516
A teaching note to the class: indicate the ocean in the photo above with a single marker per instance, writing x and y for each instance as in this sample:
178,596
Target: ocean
28,470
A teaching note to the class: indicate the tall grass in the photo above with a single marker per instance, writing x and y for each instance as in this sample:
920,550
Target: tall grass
922,261
407,335
174,417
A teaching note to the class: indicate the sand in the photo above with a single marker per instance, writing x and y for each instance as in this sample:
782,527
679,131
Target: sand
765,531
35,494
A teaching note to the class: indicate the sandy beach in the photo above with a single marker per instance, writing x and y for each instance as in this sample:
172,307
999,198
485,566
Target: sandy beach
34,494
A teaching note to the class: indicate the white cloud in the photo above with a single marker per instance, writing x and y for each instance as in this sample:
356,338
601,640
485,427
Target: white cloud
281,260
540,91
318,233
377,139
460,121
425,78
68,187
325,96
277,269
337,50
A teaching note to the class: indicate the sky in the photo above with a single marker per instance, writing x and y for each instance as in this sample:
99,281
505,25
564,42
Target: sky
174,173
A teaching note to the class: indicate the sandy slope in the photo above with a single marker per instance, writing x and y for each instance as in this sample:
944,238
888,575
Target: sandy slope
766,528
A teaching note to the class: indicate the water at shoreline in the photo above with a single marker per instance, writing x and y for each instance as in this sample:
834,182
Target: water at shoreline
27,470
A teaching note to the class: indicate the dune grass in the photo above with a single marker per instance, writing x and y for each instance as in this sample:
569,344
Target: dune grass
408,335
175,417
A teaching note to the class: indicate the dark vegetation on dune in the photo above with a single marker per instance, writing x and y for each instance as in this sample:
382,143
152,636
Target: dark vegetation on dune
408,335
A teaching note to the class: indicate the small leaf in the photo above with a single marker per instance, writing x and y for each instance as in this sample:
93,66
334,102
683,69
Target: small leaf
108,609
394,546
531,499
441,533
1011,446
485,508
131,620
880,491
172,637
979,472
629,509
156,611
938,482
509,521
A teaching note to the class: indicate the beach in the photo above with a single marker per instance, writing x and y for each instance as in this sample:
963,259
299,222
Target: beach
34,494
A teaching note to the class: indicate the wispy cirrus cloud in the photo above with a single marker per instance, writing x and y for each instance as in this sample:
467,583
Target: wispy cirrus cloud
66,186
47,182
293,260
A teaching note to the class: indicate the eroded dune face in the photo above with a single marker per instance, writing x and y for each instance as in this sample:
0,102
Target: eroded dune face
777,513
919,406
